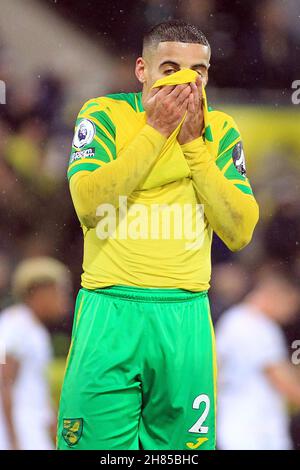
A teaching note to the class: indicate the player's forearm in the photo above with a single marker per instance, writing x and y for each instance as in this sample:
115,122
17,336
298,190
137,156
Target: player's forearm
285,379
118,178
292,393
231,213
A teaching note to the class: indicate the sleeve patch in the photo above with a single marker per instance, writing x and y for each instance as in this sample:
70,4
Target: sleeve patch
84,133
238,157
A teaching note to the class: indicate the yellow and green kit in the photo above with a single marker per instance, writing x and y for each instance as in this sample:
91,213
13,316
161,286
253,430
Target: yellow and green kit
141,367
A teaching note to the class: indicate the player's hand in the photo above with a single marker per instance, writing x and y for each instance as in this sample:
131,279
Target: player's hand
193,124
165,107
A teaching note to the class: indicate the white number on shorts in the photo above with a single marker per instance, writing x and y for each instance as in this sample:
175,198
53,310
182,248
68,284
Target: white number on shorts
197,427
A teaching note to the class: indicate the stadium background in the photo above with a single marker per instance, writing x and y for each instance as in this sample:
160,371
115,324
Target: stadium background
56,54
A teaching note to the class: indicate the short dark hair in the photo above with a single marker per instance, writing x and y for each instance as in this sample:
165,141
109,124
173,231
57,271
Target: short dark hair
175,30
276,270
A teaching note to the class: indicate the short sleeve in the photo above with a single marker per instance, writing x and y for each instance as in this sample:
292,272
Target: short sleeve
231,156
94,138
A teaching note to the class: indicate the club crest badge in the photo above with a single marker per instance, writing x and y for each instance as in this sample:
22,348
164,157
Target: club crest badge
72,430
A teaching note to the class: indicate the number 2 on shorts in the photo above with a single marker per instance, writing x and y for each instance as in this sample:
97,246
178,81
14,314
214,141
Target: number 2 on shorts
197,427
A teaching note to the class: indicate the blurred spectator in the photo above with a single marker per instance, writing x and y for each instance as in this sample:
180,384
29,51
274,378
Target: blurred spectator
42,286
256,375
282,234
292,8
50,99
195,12
157,11
271,57
255,43
5,273
24,149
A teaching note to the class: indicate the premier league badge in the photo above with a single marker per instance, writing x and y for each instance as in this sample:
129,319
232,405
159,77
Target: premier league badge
239,158
84,133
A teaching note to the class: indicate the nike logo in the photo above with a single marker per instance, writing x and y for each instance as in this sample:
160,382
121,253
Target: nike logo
200,441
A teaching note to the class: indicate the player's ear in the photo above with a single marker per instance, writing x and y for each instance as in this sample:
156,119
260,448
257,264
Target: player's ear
140,69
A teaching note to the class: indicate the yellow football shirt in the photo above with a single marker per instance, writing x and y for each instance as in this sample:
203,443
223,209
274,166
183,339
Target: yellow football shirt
158,235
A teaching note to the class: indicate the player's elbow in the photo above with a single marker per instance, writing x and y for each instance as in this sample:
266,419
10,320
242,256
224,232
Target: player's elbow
85,213
88,220
239,242
83,201
244,230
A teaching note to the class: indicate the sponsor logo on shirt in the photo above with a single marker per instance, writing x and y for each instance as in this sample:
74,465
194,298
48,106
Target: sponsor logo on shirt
87,153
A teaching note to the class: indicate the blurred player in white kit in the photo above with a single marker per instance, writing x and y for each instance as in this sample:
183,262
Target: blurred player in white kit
27,420
256,376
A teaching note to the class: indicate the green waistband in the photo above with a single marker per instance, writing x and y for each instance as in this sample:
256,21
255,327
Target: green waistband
149,294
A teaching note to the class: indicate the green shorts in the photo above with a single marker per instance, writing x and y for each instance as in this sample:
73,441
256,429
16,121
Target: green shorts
141,372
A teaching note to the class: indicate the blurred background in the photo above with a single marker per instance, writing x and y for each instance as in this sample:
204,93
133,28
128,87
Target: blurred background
56,54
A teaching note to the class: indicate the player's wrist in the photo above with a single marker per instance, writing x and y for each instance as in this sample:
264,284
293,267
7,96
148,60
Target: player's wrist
163,132
196,148
154,134
186,139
